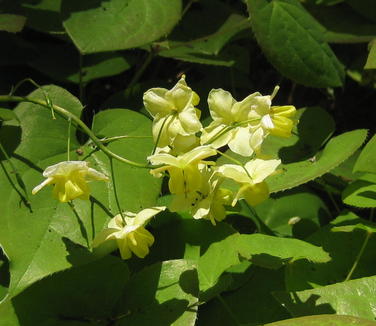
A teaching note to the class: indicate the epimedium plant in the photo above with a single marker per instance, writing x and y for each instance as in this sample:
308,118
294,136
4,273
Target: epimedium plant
210,205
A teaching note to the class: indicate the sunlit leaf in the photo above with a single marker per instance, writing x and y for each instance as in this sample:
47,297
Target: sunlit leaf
97,26
294,43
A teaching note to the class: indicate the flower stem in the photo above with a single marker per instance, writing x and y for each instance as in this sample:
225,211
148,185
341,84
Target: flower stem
66,114
368,236
69,138
115,189
228,309
235,161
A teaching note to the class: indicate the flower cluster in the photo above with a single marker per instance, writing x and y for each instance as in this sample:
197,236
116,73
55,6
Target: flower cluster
187,152
183,147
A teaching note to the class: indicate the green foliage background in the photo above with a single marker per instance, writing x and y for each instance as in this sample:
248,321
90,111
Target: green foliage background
303,257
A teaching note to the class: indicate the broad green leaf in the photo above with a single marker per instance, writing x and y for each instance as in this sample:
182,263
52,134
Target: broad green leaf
252,303
366,160
342,24
371,60
118,24
6,114
354,298
136,187
345,170
12,23
58,232
262,250
273,252
336,151
362,192
61,62
84,293
203,33
43,15
294,43
161,294
324,320
298,220
301,275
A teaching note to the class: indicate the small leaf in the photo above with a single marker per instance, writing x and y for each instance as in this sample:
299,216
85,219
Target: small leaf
12,23
6,115
117,24
366,160
362,192
336,151
355,298
371,60
294,43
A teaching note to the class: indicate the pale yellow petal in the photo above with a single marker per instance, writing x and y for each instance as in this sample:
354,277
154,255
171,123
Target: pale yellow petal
156,104
220,105
146,214
260,169
189,120
41,185
234,172
241,142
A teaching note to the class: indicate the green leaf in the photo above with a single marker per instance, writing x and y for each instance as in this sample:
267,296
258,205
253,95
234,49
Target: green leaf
362,192
371,60
262,250
252,304
61,62
355,298
6,115
12,23
294,43
301,275
365,162
203,33
89,293
298,220
336,151
161,294
324,320
58,233
136,187
128,23
342,24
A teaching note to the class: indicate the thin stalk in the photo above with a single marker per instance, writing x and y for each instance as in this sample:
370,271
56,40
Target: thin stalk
140,71
66,114
235,161
69,138
80,223
111,139
18,176
368,236
115,190
160,133
333,201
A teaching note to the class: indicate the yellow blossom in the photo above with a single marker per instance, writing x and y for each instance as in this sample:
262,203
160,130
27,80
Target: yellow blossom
244,125
130,236
70,180
184,172
207,202
251,179
173,111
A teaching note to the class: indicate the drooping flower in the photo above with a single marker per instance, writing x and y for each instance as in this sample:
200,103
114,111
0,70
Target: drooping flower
244,125
184,172
251,178
207,202
70,180
173,111
131,236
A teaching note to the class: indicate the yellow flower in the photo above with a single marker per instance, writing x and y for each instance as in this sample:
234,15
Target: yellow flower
251,179
184,172
244,125
130,236
207,202
173,111
70,180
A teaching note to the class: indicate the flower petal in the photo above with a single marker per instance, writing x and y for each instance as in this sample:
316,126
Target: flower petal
156,104
260,169
241,141
220,105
